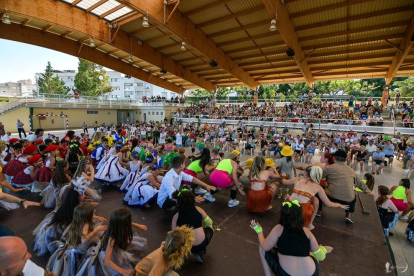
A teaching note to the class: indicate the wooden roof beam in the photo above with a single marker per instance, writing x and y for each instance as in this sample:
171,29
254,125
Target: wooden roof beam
251,38
37,37
389,55
94,6
354,18
48,27
184,28
355,31
289,36
25,22
111,11
238,29
406,45
328,8
256,47
142,30
207,7
376,71
350,51
249,63
77,20
264,54
228,17
161,37
354,41
75,2
129,17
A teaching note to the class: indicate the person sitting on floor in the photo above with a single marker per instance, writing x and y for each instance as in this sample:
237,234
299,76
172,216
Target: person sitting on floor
287,249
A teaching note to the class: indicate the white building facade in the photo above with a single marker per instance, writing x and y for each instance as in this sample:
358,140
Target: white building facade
21,88
124,87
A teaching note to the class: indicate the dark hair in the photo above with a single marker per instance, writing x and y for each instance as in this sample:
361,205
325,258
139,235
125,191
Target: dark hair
42,147
370,181
330,158
185,201
291,217
177,162
17,146
288,158
48,141
134,143
59,177
119,229
383,195
38,131
70,134
204,158
104,140
64,215
405,183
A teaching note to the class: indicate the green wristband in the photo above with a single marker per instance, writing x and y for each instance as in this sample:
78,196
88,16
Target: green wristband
258,229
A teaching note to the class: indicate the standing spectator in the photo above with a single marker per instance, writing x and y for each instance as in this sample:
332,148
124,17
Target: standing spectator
20,128
409,152
95,126
179,139
85,127
2,131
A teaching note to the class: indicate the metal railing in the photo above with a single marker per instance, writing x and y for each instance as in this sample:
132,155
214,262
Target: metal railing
316,125
9,106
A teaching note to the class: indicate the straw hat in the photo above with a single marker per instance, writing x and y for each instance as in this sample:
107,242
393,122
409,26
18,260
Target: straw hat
269,162
286,151
236,152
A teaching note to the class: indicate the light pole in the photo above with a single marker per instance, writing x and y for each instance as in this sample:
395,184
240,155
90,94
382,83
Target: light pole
101,79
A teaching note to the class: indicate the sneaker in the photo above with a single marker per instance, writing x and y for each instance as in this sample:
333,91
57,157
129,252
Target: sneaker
200,191
404,218
199,257
347,219
209,197
233,203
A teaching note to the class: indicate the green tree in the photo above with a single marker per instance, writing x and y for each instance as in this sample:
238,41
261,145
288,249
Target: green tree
406,87
51,85
223,91
87,82
201,93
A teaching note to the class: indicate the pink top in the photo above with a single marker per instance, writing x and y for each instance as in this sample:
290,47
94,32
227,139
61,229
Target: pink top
388,204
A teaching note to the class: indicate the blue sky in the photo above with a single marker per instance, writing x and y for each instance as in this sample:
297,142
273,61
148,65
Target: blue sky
21,61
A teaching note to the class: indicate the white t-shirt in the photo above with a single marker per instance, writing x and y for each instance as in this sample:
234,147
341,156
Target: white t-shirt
171,183
178,139
32,137
5,138
31,269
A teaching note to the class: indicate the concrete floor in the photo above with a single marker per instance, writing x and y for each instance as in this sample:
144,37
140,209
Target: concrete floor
358,248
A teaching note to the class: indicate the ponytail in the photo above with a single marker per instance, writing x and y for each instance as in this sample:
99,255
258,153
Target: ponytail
383,195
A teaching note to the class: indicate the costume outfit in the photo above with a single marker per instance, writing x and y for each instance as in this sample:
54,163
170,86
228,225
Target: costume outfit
290,243
154,264
398,196
44,173
23,178
193,169
307,208
45,234
141,192
13,167
258,201
221,176
193,219
51,197
7,205
132,176
111,171
93,262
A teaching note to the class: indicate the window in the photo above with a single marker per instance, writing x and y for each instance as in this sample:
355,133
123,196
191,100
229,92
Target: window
114,79
153,113
117,88
161,113
90,112
156,113
128,86
140,84
147,86
164,94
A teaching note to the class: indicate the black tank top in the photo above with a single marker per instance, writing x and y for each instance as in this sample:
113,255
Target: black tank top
293,243
191,218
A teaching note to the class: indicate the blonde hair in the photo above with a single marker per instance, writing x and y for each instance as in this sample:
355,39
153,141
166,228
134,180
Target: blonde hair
256,168
177,245
315,173
233,156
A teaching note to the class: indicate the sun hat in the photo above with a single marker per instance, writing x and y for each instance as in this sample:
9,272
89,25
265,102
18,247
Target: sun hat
270,162
235,152
280,144
286,151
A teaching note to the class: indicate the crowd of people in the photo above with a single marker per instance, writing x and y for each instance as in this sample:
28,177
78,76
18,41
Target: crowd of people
149,163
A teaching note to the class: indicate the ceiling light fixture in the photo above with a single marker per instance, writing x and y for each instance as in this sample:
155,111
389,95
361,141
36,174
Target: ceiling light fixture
183,46
163,71
273,25
145,23
6,19
92,44
130,60
213,64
